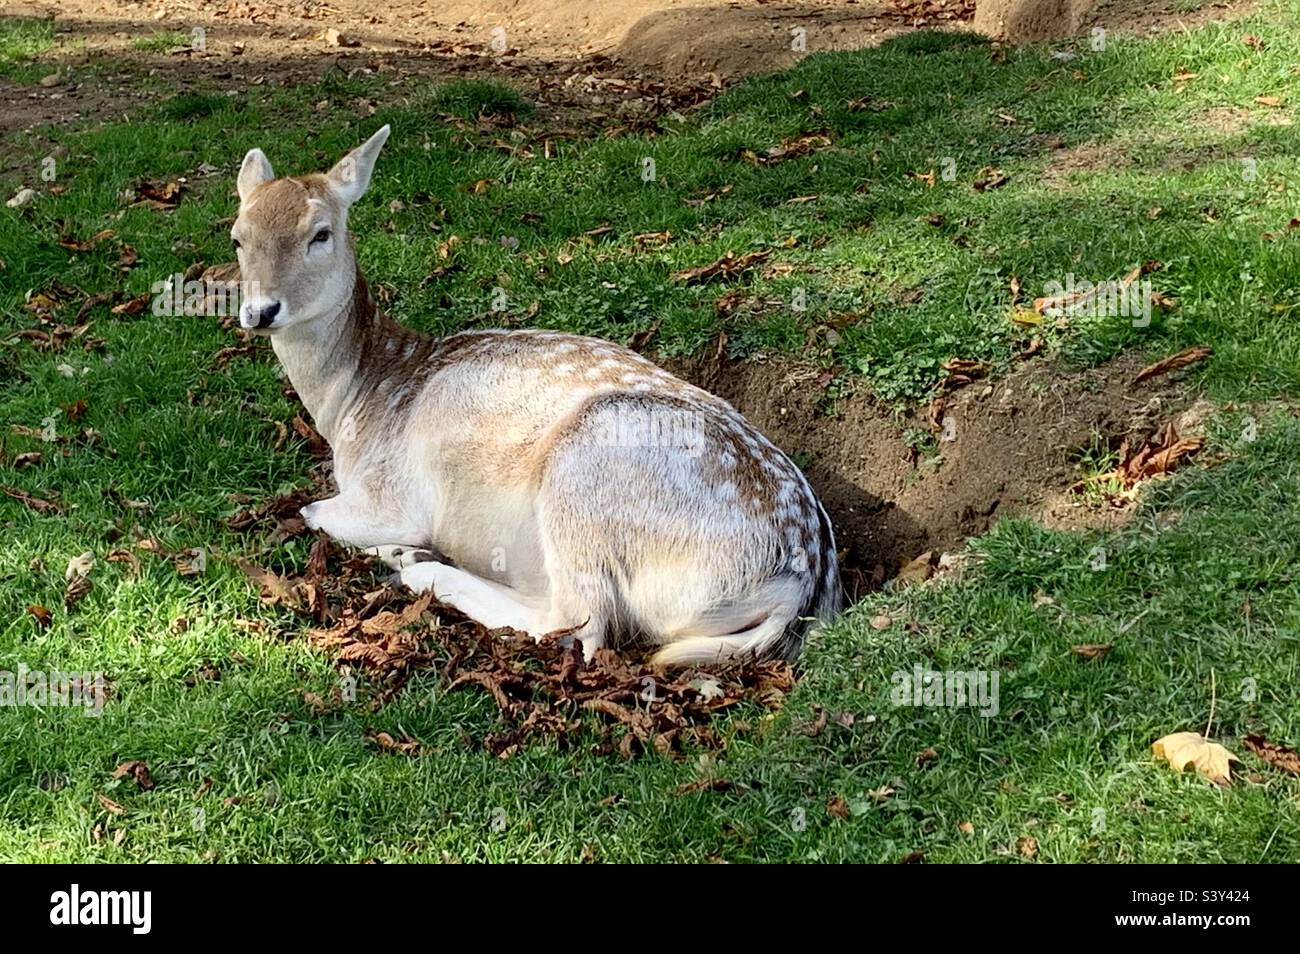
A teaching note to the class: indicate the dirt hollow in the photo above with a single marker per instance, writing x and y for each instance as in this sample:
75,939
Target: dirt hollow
1010,445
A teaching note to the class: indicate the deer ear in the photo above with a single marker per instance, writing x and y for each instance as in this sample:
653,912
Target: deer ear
351,176
255,170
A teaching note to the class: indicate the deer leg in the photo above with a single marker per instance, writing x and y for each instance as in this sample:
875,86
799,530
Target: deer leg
350,519
490,604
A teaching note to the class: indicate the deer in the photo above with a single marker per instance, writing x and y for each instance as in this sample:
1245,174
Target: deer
533,480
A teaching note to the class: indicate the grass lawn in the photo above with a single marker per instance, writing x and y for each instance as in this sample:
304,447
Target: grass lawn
1179,149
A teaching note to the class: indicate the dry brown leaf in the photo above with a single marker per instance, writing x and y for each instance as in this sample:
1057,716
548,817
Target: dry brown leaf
132,306
1279,756
1172,363
158,194
87,245
138,771
1092,650
110,806
39,504
76,591
991,178
730,266
704,785
1159,455
405,746
789,149
918,570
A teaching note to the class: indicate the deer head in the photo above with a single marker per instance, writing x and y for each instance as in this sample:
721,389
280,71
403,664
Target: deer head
296,260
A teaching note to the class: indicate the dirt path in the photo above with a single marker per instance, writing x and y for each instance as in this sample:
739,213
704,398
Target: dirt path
571,53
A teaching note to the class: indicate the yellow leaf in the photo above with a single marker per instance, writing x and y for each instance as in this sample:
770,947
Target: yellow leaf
1182,749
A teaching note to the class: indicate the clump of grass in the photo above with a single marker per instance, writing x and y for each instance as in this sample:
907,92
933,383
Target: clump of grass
160,42
1095,465
474,98
192,105
22,39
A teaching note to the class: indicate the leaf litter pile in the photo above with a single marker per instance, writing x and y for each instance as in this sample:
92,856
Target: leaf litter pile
541,690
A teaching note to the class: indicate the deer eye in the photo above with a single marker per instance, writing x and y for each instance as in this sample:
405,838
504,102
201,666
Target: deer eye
322,236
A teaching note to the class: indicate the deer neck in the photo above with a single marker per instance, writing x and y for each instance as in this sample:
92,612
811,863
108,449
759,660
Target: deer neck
333,361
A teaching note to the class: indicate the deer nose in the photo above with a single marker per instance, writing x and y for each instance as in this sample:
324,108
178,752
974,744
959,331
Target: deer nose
262,317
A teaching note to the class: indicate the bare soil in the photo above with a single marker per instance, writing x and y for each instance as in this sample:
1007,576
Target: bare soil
572,53
1017,442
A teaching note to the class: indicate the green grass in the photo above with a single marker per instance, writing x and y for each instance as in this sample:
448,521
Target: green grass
21,40
162,42
1199,590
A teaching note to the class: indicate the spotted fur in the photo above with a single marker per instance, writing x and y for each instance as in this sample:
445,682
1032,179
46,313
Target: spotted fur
566,483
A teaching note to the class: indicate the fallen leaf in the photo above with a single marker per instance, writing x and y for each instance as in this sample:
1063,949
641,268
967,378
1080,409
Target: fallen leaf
132,306
110,806
881,795
729,266
991,178
76,591
138,771
1279,756
404,746
41,614
1172,363
789,149
1027,846
80,565
158,194
317,446
837,807
918,570
1092,650
704,785
1182,749
1157,456
88,245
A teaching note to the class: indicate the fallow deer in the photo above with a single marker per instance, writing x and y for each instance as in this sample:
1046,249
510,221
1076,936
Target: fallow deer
532,479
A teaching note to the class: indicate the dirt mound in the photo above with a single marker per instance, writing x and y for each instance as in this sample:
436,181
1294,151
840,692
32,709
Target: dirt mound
1011,445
